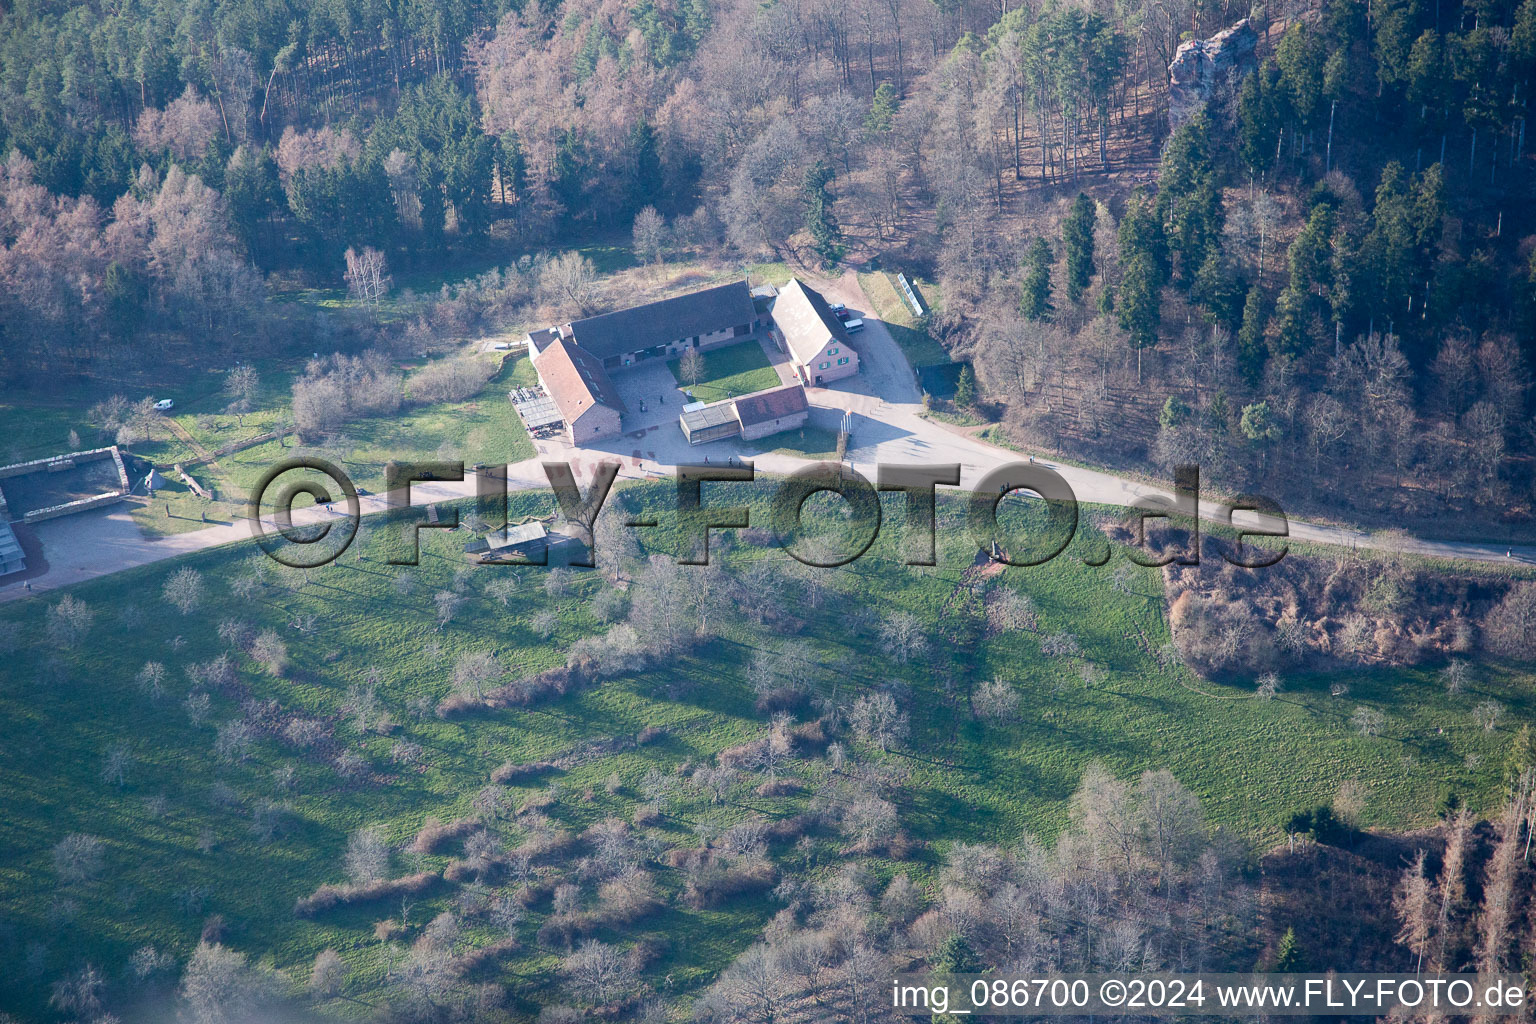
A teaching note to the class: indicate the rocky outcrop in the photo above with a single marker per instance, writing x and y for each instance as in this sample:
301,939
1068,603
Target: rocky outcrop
1201,66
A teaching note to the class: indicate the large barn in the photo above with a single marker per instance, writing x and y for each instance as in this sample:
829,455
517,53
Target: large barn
574,360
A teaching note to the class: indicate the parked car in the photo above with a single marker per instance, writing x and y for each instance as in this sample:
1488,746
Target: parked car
839,310
853,326
165,404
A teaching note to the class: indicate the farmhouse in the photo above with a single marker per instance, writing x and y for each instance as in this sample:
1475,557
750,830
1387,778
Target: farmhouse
574,360
818,343
582,392
750,416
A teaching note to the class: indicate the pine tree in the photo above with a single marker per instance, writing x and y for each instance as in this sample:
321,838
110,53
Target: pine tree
1288,958
882,111
1520,760
648,183
511,165
1258,121
965,388
826,236
1174,412
955,956
1077,244
1035,299
1300,56
1143,272
1250,337
1189,196
1292,323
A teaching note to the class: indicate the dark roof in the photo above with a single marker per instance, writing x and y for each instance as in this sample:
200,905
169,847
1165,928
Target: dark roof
12,559
716,415
771,405
511,536
576,380
665,321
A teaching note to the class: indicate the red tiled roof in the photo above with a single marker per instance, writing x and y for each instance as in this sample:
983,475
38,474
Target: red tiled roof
576,380
771,405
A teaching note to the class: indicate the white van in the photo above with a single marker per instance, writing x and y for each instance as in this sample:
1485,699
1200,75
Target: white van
853,326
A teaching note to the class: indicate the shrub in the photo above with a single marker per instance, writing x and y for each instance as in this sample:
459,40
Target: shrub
449,380
329,896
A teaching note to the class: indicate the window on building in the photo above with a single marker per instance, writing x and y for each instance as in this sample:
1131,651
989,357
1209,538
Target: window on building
843,360
831,351
824,366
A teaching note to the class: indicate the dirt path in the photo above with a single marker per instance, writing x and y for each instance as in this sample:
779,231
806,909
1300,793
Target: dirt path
203,454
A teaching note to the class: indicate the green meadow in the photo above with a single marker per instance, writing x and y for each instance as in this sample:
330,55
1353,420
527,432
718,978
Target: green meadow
190,831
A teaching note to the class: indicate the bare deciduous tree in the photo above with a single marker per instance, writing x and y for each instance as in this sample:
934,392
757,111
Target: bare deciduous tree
600,974
114,766
691,367
903,637
151,680
69,621
1456,675
1060,645
198,706
649,236
78,993
1414,903
367,275
997,702
184,590
1509,630
241,387
234,740
447,604
1009,610
78,858
270,652
219,986
877,720
327,975
474,672
1368,721
570,280
367,857
1487,714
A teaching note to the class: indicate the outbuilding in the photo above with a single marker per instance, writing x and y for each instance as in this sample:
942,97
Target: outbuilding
772,412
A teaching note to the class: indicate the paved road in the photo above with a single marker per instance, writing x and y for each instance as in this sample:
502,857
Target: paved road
888,427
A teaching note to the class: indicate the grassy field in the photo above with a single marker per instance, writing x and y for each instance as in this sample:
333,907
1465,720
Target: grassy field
186,830
484,429
730,372
809,442
908,332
